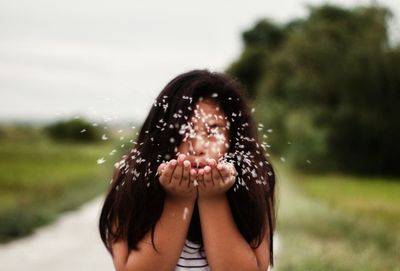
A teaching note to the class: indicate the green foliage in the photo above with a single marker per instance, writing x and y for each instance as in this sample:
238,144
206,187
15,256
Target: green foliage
328,84
260,42
76,130
265,33
42,178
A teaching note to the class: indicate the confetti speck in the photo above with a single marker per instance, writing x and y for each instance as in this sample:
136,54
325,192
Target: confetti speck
101,161
185,213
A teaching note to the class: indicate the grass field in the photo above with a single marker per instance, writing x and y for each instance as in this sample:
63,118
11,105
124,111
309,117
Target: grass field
40,178
338,223
325,222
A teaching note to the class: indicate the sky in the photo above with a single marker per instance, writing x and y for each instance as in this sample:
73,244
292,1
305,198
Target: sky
108,60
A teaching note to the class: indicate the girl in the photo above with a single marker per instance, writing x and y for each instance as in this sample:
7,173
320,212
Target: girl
197,192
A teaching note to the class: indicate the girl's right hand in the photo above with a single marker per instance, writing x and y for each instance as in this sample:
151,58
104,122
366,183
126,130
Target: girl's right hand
177,178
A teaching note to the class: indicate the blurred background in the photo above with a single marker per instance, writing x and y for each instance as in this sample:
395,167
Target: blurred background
77,79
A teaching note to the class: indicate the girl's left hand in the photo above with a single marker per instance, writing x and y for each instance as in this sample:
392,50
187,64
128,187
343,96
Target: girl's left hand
215,179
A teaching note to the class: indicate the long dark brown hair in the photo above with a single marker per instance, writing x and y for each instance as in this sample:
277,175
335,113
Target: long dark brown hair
135,200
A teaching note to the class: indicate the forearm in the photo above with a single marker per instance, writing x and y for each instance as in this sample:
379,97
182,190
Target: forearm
225,247
169,238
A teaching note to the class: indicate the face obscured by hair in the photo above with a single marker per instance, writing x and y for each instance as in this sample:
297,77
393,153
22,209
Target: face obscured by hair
206,135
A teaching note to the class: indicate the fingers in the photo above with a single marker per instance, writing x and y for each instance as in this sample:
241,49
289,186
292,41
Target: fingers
193,178
200,178
207,176
223,174
215,174
179,179
185,174
226,171
210,175
167,171
161,168
178,172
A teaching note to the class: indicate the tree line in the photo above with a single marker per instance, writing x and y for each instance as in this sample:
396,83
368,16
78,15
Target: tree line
329,87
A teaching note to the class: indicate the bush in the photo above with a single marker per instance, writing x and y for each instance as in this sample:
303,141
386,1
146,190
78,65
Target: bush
76,130
330,86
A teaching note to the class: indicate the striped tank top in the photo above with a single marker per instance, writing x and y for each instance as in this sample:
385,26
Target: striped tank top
192,257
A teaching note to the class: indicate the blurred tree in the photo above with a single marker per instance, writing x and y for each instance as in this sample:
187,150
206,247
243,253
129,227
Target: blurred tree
329,86
76,130
260,42
265,34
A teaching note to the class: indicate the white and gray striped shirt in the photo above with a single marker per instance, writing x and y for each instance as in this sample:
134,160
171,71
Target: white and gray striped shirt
192,257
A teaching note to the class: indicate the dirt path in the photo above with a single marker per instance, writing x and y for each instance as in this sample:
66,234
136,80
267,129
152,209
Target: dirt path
71,243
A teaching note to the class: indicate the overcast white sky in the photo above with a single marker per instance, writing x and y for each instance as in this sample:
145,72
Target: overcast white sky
109,59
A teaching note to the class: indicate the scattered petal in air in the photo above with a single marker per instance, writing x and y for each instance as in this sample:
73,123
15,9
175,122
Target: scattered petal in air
83,130
253,110
172,140
270,130
308,161
283,159
104,137
214,95
185,213
101,161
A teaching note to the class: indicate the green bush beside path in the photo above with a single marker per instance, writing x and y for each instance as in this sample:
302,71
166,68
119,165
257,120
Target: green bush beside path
40,178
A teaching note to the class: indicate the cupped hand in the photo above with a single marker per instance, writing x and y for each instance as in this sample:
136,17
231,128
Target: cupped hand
215,179
177,178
